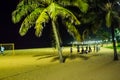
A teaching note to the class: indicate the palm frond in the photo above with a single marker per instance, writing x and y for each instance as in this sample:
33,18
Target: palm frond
108,19
64,2
21,3
73,31
82,4
45,2
55,10
22,10
42,19
66,14
29,21
69,18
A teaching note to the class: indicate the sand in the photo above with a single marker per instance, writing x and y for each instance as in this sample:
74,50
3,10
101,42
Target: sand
92,66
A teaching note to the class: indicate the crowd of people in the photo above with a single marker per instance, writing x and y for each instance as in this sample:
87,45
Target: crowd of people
85,49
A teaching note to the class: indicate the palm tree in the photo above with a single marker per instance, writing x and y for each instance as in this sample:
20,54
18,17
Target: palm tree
39,12
112,20
101,12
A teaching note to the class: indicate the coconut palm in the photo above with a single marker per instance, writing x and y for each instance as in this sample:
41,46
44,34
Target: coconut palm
101,13
112,20
39,12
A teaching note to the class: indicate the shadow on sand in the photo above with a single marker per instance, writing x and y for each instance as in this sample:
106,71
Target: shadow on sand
71,57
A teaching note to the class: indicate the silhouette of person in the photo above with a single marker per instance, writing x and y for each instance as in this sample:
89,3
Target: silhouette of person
2,50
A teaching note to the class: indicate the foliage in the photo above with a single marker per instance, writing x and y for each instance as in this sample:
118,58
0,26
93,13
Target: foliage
117,31
99,13
81,4
117,35
37,13
108,19
29,21
23,10
103,33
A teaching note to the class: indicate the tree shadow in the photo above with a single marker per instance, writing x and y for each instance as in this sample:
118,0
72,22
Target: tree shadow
56,58
38,55
72,57
43,56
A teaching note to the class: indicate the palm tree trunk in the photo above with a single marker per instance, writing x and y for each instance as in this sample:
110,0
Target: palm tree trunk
57,42
114,43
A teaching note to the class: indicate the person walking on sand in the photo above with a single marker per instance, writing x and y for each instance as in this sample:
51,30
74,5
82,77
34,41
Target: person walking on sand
86,51
71,50
78,48
90,50
94,48
82,50
2,50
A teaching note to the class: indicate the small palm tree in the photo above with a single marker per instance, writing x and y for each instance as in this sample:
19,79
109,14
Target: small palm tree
38,13
112,20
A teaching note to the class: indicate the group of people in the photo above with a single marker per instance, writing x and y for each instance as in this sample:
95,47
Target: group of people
86,49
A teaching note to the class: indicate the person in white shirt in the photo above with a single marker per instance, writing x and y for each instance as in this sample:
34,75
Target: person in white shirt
2,50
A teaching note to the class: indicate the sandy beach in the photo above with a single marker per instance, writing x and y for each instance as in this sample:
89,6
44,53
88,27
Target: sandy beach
92,66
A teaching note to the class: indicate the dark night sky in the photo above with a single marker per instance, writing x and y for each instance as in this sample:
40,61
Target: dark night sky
9,31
